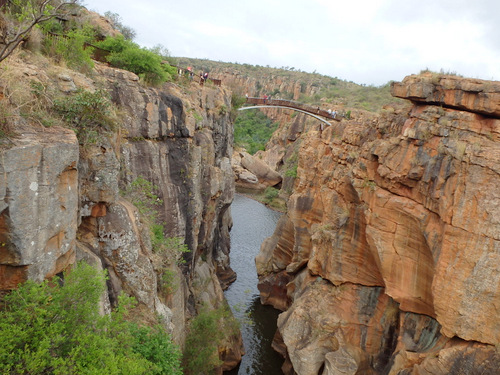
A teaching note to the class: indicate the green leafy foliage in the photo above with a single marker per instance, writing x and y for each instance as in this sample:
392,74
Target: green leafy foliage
252,130
125,54
23,15
73,47
141,193
157,347
270,193
88,112
55,328
127,32
291,171
206,333
170,247
168,281
237,101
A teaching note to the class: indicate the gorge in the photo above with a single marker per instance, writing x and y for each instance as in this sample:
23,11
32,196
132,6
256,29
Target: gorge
387,260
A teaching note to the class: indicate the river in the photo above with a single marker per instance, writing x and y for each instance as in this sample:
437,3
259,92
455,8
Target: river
252,223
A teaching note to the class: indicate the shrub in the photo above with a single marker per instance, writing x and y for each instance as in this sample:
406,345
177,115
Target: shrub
206,333
88,112
141,193
270,193
292,171
157,347
125,54
171,248
168,281
72,48
55,327
127,32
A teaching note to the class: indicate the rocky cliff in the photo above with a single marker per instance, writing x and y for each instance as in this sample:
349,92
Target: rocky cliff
387,261
62,201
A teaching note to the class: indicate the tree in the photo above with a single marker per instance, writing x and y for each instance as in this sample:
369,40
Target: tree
127,32
56,328
26,14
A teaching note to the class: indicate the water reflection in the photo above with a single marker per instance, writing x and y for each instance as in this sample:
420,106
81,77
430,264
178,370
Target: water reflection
252,223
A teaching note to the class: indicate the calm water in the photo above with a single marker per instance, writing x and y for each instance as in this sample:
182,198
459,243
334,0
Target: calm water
253,222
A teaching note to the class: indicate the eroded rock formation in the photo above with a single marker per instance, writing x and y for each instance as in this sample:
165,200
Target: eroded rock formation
253,173
388,261
62,201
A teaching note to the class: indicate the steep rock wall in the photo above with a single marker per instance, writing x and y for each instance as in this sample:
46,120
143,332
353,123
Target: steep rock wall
39,205
389,252
285,84
61,202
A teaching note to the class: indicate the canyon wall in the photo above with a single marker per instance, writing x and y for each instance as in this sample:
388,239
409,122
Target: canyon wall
62,201
388,260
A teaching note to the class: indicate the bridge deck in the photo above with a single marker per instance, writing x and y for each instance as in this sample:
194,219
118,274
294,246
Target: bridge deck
294,105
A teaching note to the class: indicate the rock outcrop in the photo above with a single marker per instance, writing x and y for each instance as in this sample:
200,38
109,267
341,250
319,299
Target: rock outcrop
62,201
39,205
387,261
253,173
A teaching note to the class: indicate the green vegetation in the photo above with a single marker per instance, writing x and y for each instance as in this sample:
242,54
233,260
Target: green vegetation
55,328
291,171
237,101
252,130
292,163
88,113
19,17
270,194
148,65
270,197
141,193
127,32
72,48
371,185
168,250
74,42
206,333
369,98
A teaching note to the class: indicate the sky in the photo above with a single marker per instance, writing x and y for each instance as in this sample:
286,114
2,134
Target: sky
367,42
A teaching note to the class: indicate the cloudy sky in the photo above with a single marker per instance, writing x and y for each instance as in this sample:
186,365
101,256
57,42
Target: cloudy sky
364,41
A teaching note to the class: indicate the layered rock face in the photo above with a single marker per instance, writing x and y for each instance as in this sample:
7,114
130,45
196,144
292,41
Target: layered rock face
268,83
388,259
39,206
61,201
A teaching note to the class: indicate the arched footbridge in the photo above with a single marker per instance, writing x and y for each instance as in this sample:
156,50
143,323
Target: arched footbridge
315,112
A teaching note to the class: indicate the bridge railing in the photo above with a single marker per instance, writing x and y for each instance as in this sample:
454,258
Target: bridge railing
292,104
196,77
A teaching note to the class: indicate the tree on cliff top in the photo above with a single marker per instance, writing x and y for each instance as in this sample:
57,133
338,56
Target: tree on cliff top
19,17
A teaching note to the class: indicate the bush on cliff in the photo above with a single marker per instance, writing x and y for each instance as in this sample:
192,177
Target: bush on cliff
72,48
206,334
88,113
147,64
55,328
